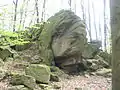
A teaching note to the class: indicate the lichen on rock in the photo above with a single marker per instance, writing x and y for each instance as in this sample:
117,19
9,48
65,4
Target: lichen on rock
40,72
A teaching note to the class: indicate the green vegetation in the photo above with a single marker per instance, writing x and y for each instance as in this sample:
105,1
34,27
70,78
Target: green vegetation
11,38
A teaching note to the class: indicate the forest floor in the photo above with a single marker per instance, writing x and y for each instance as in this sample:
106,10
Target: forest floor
77,82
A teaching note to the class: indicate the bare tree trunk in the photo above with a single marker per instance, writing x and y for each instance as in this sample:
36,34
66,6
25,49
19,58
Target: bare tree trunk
94,17
105,29
15,14
21,14
84,17
84,14
115,27
62,3
70,4
89,21
75,6
25,15
100,33
32,18
43,11
37,10
83,10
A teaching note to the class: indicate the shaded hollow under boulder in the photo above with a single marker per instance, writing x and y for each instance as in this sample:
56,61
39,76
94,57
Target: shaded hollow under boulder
68,38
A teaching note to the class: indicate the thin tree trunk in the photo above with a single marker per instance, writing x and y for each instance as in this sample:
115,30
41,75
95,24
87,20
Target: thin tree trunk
43,11
100,33
21,14
89,21
15,14
23,23
37,10
83,10
62,3
84,14
105,30
31,21
115,27
75,5
32,18
70,4
94,17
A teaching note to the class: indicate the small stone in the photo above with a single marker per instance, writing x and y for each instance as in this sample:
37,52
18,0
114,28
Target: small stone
54,77
56,87
86,75
1,62
3,73
78,89
45,87
103,72
18,87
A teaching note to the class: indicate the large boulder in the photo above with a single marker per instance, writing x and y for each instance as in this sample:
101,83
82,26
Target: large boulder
40,72
63,37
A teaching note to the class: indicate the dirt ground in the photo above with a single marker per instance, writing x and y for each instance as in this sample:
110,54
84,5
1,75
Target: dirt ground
78,82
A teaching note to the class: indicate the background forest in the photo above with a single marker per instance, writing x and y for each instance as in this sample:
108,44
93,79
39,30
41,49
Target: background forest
17,15
57,45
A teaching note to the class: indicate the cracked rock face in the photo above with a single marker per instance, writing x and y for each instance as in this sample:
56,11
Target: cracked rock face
63,38
69,39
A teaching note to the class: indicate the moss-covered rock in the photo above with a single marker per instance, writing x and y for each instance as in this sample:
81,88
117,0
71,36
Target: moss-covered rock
1,62
45,87
58,72
90,51
63,35
28,81
40,72
5,52
18,87
34,31
56,86
54,77
3,73
104,72
69,35
9,59
106,57
22,46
